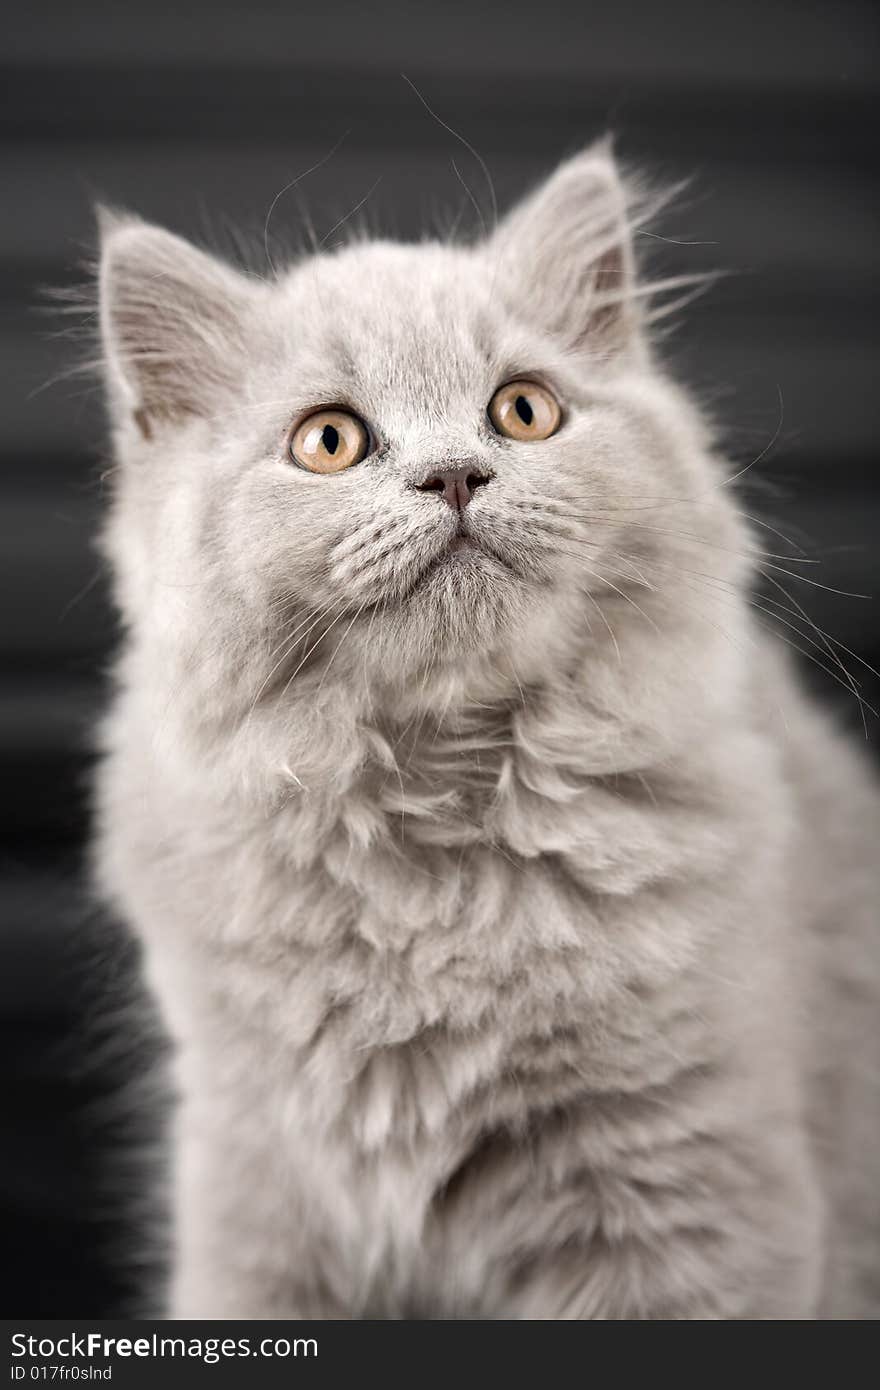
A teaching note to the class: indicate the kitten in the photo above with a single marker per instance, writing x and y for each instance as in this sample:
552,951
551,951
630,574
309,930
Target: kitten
512,912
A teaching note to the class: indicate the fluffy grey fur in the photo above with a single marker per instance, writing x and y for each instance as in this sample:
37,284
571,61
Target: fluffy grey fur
512,913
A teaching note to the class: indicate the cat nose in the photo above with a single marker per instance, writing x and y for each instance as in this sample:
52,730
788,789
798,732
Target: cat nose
456,485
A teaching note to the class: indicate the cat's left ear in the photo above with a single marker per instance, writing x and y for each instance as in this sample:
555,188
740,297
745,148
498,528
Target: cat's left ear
565,258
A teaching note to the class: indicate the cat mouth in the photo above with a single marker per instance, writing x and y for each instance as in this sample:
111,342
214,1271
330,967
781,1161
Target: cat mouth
461,545
461,552
461,548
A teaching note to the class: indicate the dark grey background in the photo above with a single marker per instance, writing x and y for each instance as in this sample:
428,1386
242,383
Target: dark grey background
196,115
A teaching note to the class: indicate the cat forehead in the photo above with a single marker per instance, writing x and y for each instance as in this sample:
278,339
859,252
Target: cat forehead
417,278
393,296
389,320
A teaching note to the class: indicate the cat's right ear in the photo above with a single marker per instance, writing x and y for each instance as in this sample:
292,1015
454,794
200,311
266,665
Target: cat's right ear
172,323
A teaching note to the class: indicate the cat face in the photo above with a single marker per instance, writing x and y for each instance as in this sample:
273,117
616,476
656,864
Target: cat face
406,459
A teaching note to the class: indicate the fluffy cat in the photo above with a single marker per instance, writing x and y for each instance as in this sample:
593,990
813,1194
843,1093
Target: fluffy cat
511,910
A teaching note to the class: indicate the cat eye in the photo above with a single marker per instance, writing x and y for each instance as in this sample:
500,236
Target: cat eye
525,411
329,441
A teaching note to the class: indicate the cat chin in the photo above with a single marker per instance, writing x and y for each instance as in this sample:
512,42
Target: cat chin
464,603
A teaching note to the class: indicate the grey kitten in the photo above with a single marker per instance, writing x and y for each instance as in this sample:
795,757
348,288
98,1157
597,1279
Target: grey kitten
511,910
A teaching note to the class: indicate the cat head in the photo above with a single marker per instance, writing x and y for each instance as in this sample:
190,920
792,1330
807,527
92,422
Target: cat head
401,466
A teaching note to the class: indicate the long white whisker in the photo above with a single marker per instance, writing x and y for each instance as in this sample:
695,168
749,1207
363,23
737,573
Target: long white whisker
338,646
286,189
599,609
288,643
313,648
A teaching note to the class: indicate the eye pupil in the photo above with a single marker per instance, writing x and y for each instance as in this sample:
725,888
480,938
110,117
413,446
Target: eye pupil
524,410
330,439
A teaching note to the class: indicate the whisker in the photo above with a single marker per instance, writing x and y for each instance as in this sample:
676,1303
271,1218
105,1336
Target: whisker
357,207
469,147
604,580
286,189
816,584
311,650
475,205
599,609
338,647
826,644
289,642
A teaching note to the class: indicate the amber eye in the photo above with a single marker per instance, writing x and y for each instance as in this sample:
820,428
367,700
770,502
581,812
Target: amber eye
524,410
329,441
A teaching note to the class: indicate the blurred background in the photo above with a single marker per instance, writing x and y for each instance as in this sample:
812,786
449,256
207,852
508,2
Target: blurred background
197,115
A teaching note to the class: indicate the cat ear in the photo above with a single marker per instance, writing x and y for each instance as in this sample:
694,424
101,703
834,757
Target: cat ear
172,322
566,257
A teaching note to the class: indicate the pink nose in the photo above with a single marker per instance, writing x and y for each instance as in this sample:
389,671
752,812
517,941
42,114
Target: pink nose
456,485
